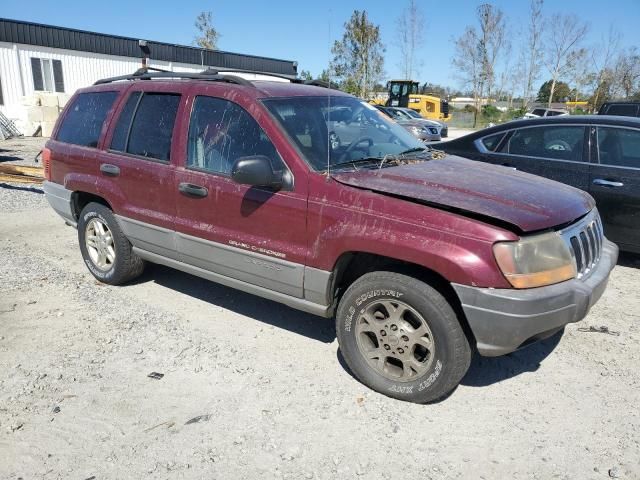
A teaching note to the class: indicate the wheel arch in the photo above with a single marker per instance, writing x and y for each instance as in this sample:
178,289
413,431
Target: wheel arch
80,199
352,265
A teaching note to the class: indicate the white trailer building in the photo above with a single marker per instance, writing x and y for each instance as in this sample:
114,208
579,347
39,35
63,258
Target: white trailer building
42,65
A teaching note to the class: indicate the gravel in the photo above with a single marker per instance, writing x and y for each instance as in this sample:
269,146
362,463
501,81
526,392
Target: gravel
253,389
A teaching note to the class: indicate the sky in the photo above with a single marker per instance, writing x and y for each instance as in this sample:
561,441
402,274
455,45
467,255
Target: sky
304,31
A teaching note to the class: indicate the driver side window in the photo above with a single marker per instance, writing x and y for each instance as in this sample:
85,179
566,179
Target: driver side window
220,132
551,141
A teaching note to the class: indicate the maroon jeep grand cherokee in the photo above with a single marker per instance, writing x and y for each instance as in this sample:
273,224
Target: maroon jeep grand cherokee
310,197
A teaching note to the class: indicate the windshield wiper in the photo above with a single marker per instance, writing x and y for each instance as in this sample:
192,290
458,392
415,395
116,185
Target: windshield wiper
413,150
353,163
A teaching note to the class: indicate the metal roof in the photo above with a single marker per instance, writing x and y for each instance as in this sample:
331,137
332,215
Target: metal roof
16,31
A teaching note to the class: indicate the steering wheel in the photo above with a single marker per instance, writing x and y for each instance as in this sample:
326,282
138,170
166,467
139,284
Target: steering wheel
559,145
353,145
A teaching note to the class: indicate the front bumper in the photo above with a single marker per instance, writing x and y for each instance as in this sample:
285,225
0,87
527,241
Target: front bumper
503,320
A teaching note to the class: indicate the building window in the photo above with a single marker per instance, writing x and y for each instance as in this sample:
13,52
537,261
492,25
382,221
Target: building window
47,75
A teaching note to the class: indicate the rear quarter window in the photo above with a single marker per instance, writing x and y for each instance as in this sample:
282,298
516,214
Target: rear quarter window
82,124
492,141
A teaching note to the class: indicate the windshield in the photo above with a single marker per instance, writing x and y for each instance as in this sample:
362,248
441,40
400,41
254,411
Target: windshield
339,130
412,113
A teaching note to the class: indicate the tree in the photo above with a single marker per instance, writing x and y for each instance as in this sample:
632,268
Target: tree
565,34
531,57
603,58
478,51
492,41
627,72
410,29
358,58
558,89
208,36
305,75
467,64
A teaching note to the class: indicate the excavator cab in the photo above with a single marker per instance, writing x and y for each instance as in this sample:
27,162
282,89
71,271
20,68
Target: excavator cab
399,91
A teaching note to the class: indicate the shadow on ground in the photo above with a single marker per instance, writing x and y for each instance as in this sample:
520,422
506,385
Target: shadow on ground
8,186
486,371
9,158
627,259
260,309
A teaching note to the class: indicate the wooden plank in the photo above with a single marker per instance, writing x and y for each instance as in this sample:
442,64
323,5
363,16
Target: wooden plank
9,178
22,170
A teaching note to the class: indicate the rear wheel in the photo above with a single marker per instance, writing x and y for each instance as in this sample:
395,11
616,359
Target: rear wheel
401,337
105,250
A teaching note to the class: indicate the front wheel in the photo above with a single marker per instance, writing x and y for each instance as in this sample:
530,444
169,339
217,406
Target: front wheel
105,249
401,337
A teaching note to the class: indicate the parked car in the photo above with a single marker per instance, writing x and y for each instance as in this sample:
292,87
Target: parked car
425,130
419,258
545,112
625,109
444,128
598,154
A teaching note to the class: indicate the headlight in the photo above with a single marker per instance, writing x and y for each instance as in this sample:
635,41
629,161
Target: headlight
416,131
535,261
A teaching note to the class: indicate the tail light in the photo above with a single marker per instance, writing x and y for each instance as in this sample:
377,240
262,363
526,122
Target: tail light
46,163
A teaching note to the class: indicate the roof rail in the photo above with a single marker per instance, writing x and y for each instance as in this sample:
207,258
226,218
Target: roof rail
144,74
210,74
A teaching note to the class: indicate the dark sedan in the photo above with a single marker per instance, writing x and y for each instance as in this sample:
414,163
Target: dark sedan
599,154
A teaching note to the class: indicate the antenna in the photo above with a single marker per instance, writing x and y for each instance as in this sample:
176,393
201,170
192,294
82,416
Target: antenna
329,104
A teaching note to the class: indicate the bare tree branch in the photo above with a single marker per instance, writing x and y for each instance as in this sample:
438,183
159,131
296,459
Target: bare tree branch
565,35
410,31
209,36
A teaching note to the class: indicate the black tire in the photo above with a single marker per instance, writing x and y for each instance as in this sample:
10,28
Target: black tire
451,351
126,265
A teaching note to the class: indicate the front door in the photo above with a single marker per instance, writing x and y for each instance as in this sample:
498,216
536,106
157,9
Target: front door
251,234
615,184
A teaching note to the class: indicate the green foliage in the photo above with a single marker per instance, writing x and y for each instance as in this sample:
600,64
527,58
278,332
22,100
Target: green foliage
209,36
305,75
561,92
358,58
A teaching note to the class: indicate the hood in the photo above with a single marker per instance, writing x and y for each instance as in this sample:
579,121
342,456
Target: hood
525,201
411,123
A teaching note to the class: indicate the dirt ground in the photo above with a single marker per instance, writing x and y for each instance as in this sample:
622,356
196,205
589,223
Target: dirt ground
253,389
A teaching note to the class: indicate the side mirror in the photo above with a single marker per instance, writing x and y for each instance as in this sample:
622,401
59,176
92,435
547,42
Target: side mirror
255,170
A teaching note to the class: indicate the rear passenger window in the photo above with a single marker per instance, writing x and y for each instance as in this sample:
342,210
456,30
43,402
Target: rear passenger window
119,140
554,142
492,141
150,126
83,121
619,147
220,132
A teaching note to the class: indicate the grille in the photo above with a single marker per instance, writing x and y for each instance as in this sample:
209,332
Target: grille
584,239
433,130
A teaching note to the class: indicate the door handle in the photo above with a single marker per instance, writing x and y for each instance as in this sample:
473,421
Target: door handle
607,183
110,170
191,190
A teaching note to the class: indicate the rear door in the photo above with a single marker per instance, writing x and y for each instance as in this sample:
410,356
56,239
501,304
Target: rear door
558,152
137,176
615,183
251,234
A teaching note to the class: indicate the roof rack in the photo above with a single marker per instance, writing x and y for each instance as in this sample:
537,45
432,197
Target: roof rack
148,73
210,74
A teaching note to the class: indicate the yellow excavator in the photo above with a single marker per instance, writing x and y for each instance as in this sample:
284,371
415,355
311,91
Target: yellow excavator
405,93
